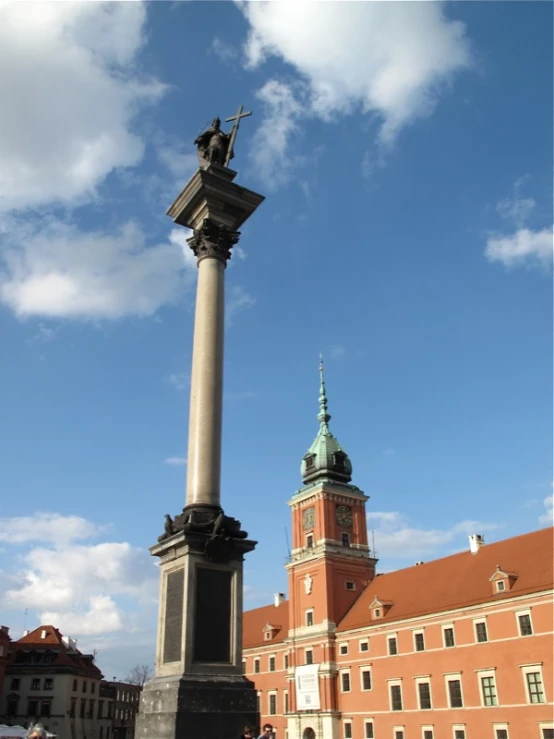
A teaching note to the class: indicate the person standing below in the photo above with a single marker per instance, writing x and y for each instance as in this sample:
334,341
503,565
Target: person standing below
248,732
267,732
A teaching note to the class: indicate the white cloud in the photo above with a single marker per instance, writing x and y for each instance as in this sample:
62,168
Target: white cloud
238,300
547,517
387,59
524,247
397,539
182,166
176,461
68,71
516,208
47,528
225,52
100,617
179,380
58,271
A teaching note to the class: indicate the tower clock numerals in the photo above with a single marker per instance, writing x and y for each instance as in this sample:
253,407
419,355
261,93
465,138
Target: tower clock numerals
344,516
308,518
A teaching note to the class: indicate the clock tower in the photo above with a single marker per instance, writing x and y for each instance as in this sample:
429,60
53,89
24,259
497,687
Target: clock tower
330,563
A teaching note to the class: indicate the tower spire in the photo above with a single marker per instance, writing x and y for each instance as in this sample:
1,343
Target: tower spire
323,416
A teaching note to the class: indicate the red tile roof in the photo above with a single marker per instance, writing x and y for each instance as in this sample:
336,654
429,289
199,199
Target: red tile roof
52,642
52,637
458,580
253,623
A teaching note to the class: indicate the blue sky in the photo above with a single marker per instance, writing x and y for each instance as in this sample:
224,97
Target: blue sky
406,154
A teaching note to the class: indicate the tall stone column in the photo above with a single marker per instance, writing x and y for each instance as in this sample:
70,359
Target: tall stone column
198,689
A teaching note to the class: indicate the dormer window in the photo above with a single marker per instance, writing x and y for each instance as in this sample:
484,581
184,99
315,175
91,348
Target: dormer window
501,580
310,462
338,460
379,608
500,586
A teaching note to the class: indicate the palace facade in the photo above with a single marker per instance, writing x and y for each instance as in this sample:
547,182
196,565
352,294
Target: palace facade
455,648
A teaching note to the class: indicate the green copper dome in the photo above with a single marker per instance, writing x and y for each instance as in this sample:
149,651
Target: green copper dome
325,458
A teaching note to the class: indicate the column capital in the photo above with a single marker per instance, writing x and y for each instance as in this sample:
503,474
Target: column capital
213,240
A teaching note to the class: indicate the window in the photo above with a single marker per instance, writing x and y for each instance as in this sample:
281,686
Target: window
345,681
364,645
73,707
377,613
310,617
92,687
368,730
500,586
310,461
396,697
35,683
75,685
272,664
347,730
455,693
82,708
256,665
343,648
345,539
419,641
32,708
534,687
84,687
393,649
428,733
399,734
267,635
309,541
12,707
45,708
481,631
309,656
349,585
501,734
100,709
424,694
459,733
272,707
525,626
15,683
285,701
101,731
286,661
244,667
488,689
90,713
547,733
366,678
48,683
448,636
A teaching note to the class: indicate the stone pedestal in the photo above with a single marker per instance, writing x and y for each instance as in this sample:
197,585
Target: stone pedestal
199,691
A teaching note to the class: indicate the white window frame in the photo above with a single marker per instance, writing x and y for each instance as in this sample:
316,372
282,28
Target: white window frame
274,658
285,702
448,626
418,681
389,637
428,727
392,683
526,670
545,725
398,728
482,620
345,723
459,727
372,723
310,538
501,727
487,673
343,645
267,635
345,671
286,661
525,612
307,613
360,643
422,632
500,585
271,693
306,650
454,676
366,668
256,661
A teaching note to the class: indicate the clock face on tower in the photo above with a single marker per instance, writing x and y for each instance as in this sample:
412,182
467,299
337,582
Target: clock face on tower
344,516
308,518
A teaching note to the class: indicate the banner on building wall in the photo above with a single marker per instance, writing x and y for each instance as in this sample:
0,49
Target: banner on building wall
307,688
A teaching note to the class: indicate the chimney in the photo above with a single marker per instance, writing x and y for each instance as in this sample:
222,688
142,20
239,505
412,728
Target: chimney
5,629
43,634
476,541
26,632
278,598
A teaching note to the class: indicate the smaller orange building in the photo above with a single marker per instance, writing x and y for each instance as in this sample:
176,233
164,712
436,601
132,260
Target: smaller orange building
456,648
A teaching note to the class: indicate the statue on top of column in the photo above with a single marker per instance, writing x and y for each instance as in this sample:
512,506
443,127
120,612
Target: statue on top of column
213,145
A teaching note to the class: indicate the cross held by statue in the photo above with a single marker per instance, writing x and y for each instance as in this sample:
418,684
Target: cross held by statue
236,118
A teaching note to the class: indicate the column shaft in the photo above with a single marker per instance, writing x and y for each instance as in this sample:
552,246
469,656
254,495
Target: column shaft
206,392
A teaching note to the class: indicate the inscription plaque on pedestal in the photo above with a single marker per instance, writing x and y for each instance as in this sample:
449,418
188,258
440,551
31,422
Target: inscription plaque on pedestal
212,618
174,616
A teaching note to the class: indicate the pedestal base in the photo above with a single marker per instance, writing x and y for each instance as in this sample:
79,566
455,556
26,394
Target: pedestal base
196,707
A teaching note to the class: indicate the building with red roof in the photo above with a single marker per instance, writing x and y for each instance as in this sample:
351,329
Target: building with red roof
456,648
